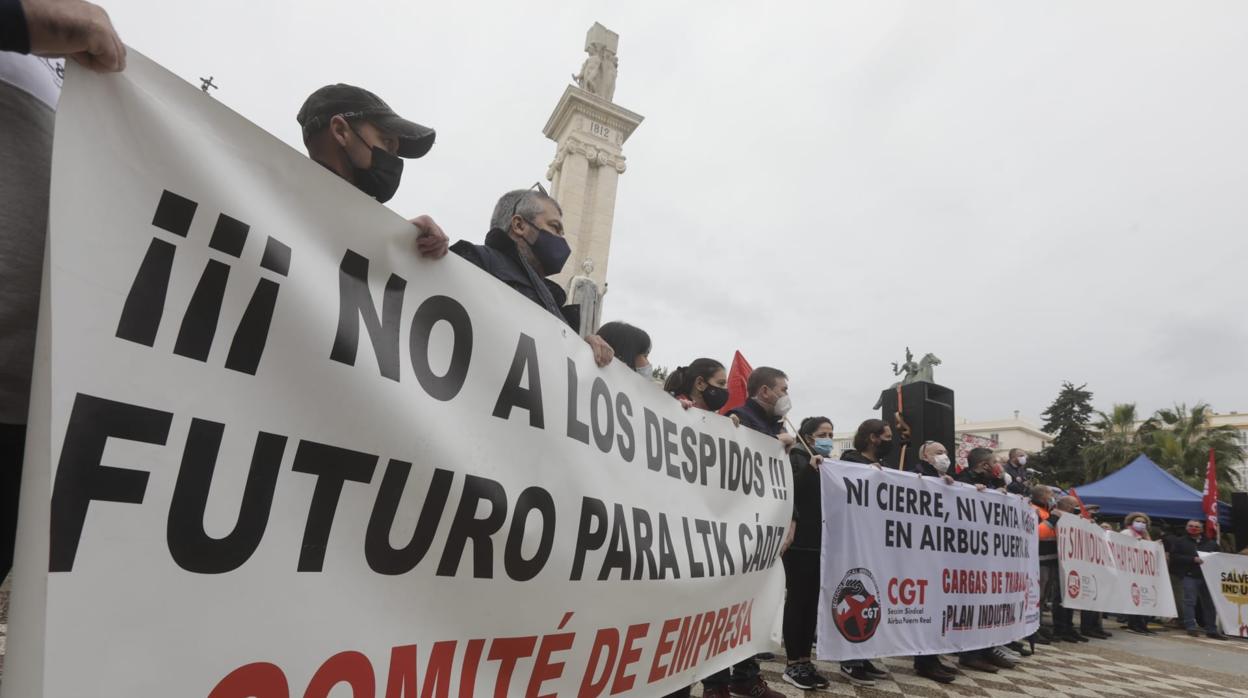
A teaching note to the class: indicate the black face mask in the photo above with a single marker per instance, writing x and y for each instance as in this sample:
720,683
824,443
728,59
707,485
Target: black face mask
551,250
885,448
715,397
381,180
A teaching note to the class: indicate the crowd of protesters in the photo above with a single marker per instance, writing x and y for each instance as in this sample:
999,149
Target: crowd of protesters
354,134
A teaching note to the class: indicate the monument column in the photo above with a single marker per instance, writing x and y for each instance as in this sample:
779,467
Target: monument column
590,131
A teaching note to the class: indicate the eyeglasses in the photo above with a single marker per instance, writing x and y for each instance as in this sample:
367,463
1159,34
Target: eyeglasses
536,185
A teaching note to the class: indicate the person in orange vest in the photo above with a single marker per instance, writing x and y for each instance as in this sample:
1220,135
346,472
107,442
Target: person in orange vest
1042,501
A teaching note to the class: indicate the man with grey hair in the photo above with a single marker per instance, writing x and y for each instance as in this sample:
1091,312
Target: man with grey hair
525,245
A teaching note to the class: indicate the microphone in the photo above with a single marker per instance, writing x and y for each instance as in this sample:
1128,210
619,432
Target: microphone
1032,471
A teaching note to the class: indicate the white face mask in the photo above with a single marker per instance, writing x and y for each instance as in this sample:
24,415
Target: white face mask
782,406
1139,526
941,463
1022,460
646,371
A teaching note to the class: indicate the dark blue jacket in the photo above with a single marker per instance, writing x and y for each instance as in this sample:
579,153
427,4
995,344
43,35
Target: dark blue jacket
756,417
500,259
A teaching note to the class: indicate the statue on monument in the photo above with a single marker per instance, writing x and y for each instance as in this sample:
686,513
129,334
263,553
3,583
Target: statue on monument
912,372
598,72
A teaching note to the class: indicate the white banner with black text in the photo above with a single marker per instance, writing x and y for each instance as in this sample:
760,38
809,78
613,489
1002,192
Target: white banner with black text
275,453
912,565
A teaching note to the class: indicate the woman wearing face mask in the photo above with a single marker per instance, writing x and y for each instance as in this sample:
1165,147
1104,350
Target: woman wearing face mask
630,344
801,559
702,384
1136,525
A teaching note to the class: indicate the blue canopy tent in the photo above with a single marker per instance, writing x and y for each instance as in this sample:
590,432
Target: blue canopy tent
1143,486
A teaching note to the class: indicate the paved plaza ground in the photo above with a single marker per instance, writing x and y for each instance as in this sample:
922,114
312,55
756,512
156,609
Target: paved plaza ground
1168,664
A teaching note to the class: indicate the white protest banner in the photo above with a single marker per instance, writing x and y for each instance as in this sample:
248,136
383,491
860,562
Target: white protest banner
273,451
912,565
1226,576
1111,572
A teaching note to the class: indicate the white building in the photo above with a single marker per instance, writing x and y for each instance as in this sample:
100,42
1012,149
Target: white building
999,434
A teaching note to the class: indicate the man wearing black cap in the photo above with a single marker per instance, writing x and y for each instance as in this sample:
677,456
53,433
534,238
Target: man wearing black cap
358,137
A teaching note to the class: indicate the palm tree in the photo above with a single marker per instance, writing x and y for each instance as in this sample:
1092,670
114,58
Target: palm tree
1119,441
1180,440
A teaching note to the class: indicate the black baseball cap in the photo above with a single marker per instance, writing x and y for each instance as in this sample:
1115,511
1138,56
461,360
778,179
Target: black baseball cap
351,101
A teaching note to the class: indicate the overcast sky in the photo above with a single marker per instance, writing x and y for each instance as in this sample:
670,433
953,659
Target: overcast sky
1035,192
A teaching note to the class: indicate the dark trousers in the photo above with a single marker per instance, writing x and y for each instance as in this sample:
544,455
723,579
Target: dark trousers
1063,618
741,672
926,660
1194,588
1089,621
801,601
12,447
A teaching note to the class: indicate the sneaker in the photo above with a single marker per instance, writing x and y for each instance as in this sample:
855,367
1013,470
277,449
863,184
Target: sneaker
856,675
1215,636
1020,648
873,671
754,688
799,675
1044,639
1194,632
997,656
820,680
1096,634
978,663
934,672
765,656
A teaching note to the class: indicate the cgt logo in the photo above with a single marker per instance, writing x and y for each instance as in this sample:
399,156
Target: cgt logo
144,308
856,605
907,592
1072,584
1135,593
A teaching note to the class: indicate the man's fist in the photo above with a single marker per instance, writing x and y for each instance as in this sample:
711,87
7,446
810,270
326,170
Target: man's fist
76,29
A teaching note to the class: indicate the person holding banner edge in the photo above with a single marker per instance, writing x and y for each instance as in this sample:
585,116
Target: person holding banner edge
1186,561
1136,525
801,559
31,31
525,246
763,412
354,134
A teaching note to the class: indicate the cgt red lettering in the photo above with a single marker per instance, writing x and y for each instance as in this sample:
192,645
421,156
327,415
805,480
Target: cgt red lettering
907,592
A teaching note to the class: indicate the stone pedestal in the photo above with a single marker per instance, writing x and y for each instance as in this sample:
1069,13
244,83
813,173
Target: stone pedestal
590,132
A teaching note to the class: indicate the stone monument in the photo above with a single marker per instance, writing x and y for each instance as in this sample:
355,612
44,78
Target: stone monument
590,131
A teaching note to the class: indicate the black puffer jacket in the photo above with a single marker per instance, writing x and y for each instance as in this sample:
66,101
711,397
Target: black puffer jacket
807,501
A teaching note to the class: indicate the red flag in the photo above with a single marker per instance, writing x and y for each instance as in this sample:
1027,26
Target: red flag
738,376
1210,501
1084,510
